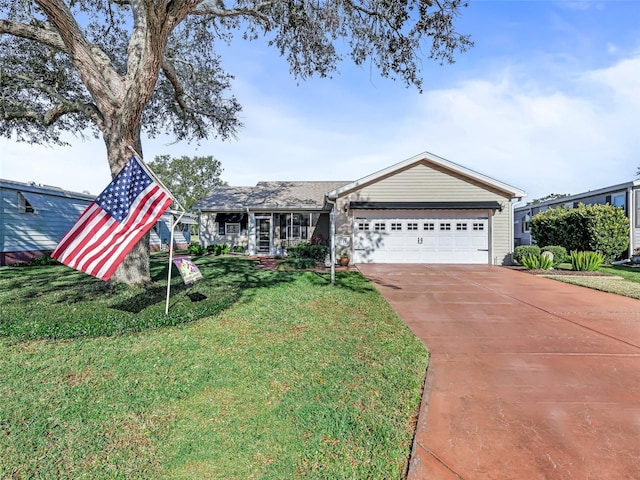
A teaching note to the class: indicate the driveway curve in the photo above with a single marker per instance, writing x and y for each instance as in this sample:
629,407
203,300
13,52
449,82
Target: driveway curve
529,378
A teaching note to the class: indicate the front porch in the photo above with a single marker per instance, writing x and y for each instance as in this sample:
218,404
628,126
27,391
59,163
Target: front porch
267,233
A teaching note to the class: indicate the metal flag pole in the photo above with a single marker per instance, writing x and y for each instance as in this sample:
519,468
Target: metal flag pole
173,223
173,226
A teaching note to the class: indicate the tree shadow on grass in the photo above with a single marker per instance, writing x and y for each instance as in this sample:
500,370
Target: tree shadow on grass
58,302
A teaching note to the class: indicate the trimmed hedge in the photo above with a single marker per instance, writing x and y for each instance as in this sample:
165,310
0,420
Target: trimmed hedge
307,250
598,228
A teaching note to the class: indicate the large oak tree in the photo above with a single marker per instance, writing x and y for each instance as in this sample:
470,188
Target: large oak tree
121,68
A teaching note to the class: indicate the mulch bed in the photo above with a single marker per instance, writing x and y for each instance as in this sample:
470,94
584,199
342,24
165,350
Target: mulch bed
552,272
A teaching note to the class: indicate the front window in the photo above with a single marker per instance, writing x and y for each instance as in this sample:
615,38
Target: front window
231,223
295,226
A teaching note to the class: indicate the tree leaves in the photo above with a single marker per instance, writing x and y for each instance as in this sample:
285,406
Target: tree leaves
188,178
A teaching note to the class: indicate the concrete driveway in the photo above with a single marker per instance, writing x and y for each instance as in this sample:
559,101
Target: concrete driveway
529,378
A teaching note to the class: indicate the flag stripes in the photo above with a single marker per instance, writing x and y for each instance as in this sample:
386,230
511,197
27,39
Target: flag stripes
110,226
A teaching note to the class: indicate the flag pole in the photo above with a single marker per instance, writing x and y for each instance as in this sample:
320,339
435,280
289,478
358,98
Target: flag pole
173,224
155,177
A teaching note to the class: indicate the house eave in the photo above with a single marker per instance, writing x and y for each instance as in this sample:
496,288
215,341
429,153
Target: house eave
433,159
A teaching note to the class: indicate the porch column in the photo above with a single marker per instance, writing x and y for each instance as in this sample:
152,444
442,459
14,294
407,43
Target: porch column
251,232
332,230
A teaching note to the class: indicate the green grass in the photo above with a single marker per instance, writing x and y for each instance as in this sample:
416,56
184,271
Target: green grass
57,302
298,379
623,281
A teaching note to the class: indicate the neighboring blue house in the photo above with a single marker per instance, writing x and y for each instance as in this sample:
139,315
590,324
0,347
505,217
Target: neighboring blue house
624,195
161,231
33,219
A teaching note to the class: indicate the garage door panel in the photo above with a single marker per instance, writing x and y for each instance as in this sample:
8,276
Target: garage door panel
422,240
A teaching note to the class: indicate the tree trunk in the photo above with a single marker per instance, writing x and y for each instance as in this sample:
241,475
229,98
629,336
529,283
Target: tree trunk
135,267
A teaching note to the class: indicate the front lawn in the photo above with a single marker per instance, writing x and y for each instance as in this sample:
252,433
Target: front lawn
620,280
290,378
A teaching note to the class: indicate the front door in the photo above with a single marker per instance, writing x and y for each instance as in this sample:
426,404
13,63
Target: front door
263,233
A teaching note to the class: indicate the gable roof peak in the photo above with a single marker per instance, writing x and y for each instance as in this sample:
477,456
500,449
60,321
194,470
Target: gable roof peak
435,160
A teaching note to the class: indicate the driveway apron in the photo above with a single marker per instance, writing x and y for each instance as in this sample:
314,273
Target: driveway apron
528,378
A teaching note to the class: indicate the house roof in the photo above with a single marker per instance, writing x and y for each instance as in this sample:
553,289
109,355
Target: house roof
435,160
35,188
284,195
579,196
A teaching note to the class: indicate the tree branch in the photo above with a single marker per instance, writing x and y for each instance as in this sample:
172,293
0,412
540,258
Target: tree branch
91,62
39,34
172,76
219,10
63,106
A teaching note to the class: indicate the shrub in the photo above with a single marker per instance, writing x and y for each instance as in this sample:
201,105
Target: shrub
218,248
238,249
195,249
39,261
586,261
559,253
599,228
535,262
315,252
550,227
522,251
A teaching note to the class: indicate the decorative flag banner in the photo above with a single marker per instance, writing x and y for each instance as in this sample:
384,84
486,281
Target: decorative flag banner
112,224
189,270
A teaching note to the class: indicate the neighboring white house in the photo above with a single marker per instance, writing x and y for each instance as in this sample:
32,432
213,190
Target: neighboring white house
33,219
623,195
423,210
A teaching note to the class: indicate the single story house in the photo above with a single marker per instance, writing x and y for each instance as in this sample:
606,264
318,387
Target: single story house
422,210
33,219
160,236
623,195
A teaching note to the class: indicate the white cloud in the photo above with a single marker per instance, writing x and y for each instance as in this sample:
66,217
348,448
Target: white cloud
541,135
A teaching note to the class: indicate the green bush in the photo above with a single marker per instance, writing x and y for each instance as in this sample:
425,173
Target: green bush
550,228
586,261
560,254
315,252
39,261
195,249
598,228
238,249
537,262
522,251
218,248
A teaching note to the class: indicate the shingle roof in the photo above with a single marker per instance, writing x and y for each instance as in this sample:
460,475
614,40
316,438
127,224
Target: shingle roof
294,195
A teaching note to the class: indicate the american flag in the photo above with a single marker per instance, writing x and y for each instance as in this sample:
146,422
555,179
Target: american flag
112,224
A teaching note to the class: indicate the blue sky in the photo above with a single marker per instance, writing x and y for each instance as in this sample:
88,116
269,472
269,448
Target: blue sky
548,100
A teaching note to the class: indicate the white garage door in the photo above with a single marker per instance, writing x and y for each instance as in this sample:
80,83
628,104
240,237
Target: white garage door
421,240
